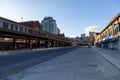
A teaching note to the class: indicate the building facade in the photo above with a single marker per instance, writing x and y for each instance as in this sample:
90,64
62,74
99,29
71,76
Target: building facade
110,35
34,25
49,25
96,39
91,34
83,35
29,34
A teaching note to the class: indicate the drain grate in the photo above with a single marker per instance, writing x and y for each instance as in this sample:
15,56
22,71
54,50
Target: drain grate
92,65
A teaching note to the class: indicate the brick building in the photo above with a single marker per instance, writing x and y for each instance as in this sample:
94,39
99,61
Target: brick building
34,25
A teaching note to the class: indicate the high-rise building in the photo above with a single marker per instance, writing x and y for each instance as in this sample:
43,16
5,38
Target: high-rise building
91,34
83,35
58,31
49,25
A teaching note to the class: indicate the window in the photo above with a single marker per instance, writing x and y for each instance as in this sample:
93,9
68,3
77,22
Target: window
110,32
9,26
36,28
46,28
116,29
23,29
5,25
29,30
14,27
26,30
18,28
1,24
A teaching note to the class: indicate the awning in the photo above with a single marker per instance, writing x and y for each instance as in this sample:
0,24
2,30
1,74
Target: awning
114,38
107,39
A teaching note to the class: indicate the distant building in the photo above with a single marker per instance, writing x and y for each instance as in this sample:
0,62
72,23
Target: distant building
91,34
83,35
58,31
49,25
96,39
86,40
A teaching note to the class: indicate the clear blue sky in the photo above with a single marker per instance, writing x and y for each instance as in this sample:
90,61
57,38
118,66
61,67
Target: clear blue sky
72,16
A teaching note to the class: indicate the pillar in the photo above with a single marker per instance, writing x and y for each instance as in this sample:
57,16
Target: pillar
27,43
14,43
52,43
46,44
31,43
38,43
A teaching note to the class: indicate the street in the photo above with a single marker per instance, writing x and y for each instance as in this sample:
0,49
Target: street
62,64
13,63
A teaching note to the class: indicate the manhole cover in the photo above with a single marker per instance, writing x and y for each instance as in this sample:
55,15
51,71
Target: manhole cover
92,65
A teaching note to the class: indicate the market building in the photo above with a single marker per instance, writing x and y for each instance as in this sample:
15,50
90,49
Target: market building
110,35
27,35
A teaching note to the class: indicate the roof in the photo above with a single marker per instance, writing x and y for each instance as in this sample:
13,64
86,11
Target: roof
8,20
113,19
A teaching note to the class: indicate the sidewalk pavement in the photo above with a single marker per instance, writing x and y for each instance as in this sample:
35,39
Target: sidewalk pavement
6,52
113,56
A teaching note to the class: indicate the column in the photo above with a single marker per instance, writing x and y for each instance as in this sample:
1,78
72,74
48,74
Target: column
46,43
38,43
14,43
31,43
52,43
27,43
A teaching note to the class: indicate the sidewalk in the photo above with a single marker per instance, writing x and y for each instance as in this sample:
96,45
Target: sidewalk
6,52
113,56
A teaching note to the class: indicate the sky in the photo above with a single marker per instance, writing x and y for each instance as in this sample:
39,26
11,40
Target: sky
73,17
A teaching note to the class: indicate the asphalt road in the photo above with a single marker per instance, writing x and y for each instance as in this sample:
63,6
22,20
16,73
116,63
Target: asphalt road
13,63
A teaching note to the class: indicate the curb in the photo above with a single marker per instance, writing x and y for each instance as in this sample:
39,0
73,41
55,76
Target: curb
26,50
